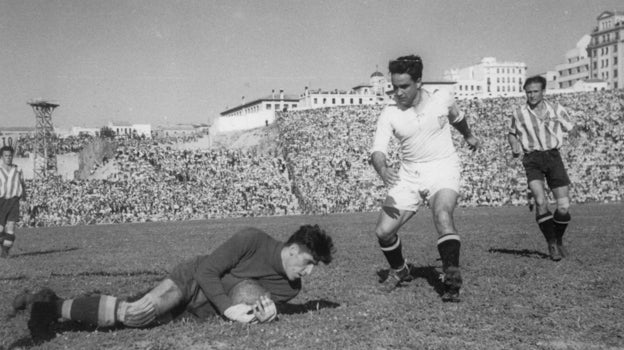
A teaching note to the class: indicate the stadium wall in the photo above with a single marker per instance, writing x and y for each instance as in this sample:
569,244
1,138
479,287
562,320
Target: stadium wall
245,122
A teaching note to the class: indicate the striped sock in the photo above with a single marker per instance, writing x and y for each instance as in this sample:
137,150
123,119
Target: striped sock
561,222
96,310
546,225
393,252
9,238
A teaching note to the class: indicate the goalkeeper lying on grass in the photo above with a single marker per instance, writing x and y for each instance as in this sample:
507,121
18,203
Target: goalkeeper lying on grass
202,286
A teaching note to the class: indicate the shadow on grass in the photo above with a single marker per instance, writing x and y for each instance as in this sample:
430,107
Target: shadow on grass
43,252
312,305
428,273
523,252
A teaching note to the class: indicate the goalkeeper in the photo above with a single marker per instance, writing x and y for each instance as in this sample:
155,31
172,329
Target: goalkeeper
201,286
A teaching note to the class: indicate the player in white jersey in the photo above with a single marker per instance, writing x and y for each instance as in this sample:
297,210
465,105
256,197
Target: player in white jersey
12,188
429,170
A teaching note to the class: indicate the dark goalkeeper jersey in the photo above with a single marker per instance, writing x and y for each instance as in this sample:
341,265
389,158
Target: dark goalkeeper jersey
248,254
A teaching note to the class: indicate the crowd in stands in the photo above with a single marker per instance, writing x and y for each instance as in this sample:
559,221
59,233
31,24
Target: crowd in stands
321,166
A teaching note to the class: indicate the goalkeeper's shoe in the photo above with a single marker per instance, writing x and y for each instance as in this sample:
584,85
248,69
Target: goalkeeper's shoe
395,278
43,315
452,281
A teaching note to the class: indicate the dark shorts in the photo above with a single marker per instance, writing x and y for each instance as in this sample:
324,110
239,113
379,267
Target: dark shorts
548,164
9,210
195,302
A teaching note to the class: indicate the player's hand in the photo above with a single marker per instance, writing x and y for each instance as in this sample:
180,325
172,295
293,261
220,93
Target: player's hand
473,143
389,176
242,313
265,310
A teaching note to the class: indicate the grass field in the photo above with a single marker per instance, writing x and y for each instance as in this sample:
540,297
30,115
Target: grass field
514,297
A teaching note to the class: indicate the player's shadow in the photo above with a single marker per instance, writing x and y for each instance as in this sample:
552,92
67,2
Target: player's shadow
43,252
429,273
311,305
534,254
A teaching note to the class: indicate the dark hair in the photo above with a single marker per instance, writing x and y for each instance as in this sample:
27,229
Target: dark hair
411,65
6,148
535,79
315,241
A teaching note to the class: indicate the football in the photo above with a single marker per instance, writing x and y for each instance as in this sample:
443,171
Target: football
247,292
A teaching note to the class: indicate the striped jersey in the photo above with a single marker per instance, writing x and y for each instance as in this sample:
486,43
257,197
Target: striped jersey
11,182
540,131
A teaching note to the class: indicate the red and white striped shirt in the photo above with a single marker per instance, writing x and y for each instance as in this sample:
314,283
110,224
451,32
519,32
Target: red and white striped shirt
11,182
540,131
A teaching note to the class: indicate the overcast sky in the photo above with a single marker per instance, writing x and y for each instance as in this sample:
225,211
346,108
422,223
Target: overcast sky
157,61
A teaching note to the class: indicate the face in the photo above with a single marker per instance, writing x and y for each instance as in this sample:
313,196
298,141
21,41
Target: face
405,89
534,93
7,157
298,263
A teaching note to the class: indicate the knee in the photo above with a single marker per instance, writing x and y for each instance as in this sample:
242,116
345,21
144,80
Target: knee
9,227
563,205
385,236
443,217
138,314
540,201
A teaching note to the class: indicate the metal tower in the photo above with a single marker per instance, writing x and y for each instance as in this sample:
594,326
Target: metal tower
45,140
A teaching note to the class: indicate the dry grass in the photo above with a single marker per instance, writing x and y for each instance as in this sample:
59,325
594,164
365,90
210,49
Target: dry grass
514,297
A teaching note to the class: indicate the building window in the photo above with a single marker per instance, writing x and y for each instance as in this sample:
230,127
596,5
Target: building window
333,101
315,100
277,106
360,101
615,60
615,73
294,105
268,106
342,101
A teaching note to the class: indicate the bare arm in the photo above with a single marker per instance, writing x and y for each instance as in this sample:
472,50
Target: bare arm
388,175
516,148
461,124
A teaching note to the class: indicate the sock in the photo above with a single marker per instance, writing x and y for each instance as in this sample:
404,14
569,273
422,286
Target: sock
546,225
9,238
95,310
393,252
448,247
560,223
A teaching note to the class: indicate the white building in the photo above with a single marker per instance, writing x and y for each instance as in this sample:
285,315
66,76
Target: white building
127,129
576,66
606,49
488,78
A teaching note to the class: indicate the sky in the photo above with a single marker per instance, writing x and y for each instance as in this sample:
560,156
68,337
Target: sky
185,61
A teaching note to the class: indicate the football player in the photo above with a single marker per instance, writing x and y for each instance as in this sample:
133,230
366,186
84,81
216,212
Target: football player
201,286
429,170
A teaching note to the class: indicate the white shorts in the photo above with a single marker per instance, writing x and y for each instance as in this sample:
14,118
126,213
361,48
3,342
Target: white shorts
420,181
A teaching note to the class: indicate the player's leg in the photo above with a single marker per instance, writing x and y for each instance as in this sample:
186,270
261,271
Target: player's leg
388,224
3,251
536,164
559,182
562,216
4,212
544,218
9,238
12,217
103,310
443,204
